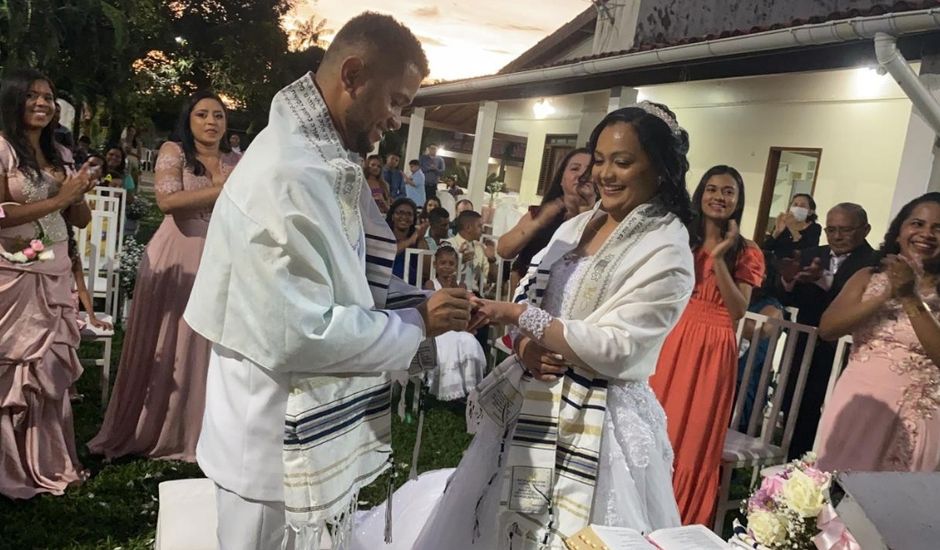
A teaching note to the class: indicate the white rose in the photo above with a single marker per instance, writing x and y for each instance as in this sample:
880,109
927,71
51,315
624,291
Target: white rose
47,255
19,258
767,527
802,495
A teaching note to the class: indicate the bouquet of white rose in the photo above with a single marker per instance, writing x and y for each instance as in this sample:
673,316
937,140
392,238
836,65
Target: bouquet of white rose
792,510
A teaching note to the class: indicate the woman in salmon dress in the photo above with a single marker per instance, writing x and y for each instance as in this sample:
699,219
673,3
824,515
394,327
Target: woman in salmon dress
159,396
38,328
883,413
696,372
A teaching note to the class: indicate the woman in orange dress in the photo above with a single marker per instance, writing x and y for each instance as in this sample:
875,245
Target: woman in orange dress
695,375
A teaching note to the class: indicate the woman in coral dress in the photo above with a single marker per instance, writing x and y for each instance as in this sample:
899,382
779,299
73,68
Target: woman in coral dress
38,330
696,372
158,401
883,414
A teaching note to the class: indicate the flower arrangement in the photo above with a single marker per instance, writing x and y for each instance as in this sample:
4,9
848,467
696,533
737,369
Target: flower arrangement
494,185
792,510
129,260
139,207
35,250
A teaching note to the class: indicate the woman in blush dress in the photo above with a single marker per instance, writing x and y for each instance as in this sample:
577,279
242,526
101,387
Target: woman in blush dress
157,405
883,413
38,328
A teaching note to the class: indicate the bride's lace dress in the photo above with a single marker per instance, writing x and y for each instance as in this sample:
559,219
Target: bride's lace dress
457,509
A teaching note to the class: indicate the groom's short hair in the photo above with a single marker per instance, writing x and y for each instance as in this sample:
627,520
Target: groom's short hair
387,46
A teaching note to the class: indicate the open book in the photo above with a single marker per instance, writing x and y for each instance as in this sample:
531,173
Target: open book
692,537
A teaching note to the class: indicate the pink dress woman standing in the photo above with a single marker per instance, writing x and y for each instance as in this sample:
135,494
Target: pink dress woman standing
159,396
884,413
38,329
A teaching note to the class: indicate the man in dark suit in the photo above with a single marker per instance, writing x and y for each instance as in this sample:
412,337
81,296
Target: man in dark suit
810,282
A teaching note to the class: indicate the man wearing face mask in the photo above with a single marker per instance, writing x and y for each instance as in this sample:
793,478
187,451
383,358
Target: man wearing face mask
295,292
810,282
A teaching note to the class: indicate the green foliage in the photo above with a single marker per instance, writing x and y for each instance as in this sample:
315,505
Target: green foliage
133,61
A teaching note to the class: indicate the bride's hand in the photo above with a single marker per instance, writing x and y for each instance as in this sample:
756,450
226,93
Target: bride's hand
541,363
489,311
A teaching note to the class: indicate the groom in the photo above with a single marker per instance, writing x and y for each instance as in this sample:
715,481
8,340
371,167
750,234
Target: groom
296,293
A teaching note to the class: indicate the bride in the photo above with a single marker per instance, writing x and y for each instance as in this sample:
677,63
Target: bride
568,432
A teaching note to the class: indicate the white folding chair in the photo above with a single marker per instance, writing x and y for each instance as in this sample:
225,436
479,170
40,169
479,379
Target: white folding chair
759,446
93,334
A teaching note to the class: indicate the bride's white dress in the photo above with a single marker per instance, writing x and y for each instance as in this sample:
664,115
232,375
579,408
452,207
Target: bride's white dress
457,509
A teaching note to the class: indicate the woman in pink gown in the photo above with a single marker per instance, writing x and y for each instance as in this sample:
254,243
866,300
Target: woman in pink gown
883,414
159,396
38,330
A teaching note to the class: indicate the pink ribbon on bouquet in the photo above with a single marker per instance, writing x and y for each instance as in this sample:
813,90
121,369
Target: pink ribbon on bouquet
833,535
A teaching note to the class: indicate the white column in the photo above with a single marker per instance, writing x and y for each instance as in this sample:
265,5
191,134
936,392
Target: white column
532,165
920,161
593,109
482,145
415,133
621,96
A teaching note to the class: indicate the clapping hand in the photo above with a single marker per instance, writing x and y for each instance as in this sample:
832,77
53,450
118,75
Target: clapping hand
811,273
77,184
901,274
731,236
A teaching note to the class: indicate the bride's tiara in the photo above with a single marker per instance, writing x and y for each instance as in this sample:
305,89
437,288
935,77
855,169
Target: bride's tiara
662,115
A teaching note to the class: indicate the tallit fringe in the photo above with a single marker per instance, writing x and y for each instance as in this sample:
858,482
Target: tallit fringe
310,536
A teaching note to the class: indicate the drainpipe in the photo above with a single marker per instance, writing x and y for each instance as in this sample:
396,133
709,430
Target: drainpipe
886,50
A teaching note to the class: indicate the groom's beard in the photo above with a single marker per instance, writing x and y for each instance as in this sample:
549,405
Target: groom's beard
358,127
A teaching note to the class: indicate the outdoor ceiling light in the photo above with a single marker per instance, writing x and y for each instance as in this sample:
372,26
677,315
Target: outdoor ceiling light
543,108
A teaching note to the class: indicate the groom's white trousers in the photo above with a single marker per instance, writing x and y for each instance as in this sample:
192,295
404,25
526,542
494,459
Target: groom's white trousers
246,524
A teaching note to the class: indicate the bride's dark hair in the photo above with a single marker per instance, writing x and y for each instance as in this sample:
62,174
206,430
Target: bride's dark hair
666,150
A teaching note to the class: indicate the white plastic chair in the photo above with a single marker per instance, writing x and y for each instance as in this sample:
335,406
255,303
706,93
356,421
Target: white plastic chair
759,446
843,348
448,203
92,198
425,258
146,161
98,249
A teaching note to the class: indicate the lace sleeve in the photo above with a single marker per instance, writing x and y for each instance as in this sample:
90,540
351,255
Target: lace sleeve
169,169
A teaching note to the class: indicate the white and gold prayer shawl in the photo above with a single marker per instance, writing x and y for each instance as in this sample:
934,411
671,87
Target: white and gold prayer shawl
630,296
309,282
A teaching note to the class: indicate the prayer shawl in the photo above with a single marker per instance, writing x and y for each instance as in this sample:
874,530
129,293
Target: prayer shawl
285,282
616,320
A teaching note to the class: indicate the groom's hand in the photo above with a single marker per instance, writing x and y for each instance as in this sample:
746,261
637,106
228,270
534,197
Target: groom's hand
447,309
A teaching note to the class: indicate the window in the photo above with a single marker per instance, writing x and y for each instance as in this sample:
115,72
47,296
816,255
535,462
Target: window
556,147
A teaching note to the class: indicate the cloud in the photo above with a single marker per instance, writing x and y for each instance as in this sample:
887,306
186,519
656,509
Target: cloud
429,41
427,11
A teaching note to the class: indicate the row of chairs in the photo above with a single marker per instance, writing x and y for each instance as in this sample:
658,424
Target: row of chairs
765,441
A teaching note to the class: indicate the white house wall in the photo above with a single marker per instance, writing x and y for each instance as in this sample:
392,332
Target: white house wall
858,119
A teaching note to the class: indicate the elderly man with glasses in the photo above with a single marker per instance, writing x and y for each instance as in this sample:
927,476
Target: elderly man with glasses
811,281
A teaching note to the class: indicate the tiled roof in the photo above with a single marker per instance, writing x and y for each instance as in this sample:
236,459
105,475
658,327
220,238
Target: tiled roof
897,7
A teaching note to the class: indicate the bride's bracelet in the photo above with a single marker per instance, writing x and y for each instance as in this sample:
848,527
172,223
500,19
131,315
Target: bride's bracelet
534,321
